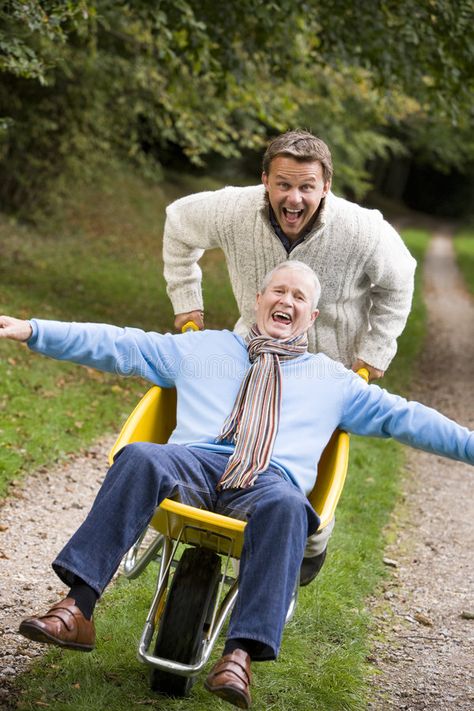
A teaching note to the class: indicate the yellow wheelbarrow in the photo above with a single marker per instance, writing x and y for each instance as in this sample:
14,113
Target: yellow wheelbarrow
197,584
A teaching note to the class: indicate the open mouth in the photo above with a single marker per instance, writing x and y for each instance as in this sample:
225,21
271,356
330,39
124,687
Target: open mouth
292,215
281,317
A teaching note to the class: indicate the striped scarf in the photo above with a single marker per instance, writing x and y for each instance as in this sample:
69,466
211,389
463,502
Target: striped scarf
253,423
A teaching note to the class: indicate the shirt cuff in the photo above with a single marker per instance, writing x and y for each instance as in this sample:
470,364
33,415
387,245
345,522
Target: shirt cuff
470,449
34,333
187,300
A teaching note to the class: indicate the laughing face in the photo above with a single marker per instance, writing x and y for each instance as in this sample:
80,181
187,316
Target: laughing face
295,190
285,309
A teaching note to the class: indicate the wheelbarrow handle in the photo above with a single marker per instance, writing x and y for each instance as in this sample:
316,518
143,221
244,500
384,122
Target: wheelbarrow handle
189,326
364,374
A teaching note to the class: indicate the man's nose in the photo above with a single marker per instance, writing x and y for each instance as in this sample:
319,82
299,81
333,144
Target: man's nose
294,197
285,299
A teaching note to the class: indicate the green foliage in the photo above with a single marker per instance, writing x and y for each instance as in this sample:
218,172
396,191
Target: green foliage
343,108
87,83
424,46
439,142
31,34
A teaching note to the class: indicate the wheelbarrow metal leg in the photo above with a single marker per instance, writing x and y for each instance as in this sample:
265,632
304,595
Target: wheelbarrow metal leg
133,563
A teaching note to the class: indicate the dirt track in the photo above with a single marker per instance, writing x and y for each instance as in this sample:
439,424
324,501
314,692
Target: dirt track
427,659
36,521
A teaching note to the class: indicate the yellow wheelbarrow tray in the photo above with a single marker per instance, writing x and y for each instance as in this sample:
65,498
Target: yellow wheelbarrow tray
179,654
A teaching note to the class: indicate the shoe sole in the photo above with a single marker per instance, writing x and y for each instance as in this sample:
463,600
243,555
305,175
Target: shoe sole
30,631
229,694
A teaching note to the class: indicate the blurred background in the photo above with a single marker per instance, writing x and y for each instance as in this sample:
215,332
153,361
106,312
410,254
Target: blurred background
200,86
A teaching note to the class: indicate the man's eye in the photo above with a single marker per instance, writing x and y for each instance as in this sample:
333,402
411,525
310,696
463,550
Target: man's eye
283,186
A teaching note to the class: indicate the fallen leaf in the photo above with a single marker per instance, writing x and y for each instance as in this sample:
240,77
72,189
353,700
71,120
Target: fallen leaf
423,619
95,374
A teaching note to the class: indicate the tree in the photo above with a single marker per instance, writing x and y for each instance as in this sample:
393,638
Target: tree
84,82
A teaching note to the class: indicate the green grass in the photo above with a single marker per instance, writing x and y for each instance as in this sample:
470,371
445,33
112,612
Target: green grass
464,248
323,664
101,261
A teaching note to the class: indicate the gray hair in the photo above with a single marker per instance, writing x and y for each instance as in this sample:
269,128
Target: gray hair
295,266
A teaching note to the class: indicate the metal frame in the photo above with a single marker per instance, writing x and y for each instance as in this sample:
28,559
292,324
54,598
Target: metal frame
220,612
133,563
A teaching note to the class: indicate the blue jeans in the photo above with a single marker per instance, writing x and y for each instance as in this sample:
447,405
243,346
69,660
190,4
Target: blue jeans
279,520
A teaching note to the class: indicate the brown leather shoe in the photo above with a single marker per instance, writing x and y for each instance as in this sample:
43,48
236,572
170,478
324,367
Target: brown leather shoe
63,625
230,679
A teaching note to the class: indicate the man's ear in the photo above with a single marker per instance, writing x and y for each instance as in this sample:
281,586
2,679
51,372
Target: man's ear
327,188
265,180
314,316
257,300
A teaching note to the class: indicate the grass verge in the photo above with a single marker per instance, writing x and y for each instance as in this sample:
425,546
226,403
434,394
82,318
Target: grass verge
100,262
464,248
323,661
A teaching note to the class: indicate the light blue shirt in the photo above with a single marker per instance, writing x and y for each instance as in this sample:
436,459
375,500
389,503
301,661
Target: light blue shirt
207,368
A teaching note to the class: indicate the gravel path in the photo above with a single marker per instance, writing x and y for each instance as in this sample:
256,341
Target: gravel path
35,522
426,658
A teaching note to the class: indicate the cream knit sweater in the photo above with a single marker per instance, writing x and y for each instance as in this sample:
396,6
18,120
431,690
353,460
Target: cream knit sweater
365,269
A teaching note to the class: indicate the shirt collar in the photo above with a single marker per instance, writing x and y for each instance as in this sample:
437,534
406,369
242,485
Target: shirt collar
288,244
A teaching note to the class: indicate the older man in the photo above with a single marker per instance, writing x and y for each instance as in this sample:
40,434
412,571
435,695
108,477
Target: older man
243,445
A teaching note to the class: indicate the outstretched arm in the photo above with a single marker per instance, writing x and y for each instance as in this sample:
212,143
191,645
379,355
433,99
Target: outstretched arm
123,351
369,410
15,329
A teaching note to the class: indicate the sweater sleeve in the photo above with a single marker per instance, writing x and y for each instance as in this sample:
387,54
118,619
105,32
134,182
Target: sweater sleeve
370,410
123,351
190,229
391,270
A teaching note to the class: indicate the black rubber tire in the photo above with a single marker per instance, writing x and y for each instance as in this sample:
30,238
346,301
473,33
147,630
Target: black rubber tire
190,598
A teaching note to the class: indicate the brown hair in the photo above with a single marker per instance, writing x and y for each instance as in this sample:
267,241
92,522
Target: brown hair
302,146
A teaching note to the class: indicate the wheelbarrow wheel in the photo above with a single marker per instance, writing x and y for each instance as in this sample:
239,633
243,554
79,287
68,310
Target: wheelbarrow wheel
190,599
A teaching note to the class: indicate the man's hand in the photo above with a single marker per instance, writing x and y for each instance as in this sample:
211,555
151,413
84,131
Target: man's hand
374,373
196,316
15,328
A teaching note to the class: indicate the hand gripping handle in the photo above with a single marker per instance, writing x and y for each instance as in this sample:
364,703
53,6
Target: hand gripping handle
189,326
